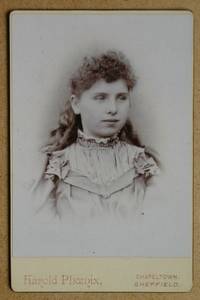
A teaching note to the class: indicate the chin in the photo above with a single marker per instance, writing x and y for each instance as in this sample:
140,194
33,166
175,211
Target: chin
107,133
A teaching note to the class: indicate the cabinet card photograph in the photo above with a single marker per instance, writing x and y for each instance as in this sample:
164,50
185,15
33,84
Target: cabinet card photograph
101,117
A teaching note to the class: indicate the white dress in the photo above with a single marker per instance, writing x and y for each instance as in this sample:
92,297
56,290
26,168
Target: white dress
93,178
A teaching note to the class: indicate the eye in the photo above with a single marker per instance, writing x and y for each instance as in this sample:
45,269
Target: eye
122,97
100,96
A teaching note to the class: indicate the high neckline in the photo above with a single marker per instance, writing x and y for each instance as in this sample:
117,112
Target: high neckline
90,141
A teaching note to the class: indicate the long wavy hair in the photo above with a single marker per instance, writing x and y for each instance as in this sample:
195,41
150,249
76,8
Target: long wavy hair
110,66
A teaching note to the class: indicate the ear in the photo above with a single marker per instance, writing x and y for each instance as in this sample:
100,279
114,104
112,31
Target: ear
75,104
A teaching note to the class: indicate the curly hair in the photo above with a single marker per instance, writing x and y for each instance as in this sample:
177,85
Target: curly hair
110,66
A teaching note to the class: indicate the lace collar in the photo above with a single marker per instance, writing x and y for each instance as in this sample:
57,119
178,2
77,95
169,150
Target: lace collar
89,141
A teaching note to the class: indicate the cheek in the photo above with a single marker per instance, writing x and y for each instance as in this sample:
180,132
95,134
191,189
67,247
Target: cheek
85,110
89,114
91,110
125,109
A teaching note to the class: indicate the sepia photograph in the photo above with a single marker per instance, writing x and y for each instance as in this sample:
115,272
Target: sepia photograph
101,133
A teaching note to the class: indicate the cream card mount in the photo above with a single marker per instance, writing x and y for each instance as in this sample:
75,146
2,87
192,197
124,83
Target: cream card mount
101,150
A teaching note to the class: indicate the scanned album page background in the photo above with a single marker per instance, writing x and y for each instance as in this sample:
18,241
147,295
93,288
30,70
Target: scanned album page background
6,292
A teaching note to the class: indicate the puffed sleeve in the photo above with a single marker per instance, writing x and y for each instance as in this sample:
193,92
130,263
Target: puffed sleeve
145,165
44,191
57,167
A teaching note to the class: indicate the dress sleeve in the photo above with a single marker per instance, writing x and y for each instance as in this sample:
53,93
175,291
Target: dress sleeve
44,191
145,165
57,166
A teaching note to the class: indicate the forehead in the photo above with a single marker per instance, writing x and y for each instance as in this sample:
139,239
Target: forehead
101,86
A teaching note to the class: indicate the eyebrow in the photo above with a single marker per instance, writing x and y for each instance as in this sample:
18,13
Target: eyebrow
122,94
118,94
100,93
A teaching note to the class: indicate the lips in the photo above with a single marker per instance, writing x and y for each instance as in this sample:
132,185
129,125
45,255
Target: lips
110,120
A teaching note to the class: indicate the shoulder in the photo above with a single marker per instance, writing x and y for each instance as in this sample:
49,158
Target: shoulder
133,151
143,162
60,156
57,162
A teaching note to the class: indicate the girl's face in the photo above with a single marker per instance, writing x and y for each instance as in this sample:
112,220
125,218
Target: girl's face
103,108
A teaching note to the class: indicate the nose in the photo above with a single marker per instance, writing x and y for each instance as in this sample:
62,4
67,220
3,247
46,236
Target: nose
112,106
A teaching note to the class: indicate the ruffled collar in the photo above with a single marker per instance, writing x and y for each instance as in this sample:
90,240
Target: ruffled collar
89,141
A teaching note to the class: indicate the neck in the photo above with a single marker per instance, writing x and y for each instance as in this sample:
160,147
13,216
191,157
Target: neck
87,140
88,136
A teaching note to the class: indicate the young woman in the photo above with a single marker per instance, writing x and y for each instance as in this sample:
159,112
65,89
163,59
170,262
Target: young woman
95,164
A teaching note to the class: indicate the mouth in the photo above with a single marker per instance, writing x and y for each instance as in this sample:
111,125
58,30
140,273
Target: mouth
110,121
